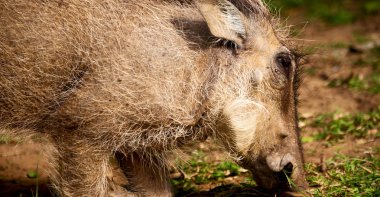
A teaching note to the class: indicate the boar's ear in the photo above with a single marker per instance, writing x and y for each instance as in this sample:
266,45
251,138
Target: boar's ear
223,19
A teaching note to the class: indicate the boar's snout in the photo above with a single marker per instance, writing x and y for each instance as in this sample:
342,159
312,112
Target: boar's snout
277,162
280,173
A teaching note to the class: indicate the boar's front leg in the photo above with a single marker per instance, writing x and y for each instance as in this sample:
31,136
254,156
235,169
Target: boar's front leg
80,168
147,174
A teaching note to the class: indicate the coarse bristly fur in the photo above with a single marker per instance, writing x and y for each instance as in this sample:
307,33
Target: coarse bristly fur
140,78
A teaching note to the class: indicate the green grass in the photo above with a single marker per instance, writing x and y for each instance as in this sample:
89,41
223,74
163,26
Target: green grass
374,59
371,7
5,139
33,174
197,172
370,82
339,45
343,176
333,128
375,83
353,82
346,176
361,39
332,12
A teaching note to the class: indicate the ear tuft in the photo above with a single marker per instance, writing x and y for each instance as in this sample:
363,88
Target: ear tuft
223,19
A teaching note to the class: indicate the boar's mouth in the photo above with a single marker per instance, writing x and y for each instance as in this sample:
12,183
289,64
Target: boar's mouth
276,183
283,179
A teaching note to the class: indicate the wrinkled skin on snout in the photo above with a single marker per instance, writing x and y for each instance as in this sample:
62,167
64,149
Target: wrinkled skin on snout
258,123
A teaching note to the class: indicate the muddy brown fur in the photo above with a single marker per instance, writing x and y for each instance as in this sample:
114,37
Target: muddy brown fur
140,78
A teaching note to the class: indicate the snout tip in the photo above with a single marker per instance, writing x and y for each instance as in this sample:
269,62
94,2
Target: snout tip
278,163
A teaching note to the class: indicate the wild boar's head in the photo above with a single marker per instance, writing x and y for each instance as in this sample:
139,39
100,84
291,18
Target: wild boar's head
256,93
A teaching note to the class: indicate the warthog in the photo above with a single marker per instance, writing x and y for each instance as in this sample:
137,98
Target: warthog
139,78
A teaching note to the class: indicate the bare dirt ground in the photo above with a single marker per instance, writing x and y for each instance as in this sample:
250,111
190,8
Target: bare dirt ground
330,63
327,63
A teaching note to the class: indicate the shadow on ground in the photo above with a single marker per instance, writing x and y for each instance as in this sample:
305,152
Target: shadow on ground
19,189
228,191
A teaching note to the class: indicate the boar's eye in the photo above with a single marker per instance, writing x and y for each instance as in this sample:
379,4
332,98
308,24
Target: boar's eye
229,44
284,62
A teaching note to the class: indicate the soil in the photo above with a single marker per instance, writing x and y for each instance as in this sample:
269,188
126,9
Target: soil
17,159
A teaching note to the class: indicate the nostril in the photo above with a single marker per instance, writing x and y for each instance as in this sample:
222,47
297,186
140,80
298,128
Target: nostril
286,163
283,135
288,169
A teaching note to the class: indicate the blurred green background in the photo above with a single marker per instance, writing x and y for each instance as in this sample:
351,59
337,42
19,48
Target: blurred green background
333,12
